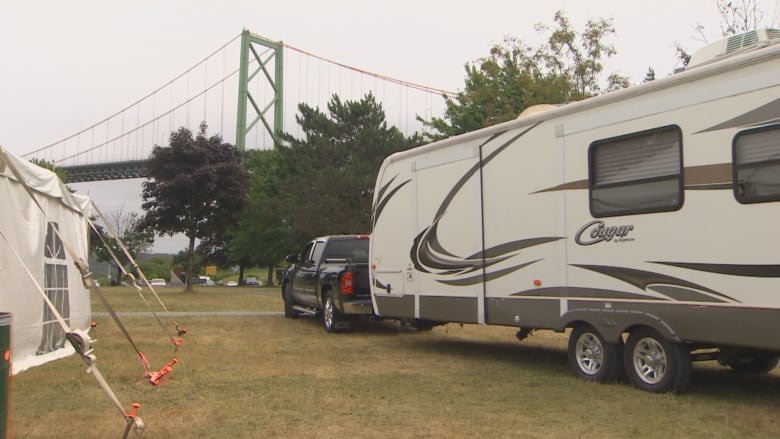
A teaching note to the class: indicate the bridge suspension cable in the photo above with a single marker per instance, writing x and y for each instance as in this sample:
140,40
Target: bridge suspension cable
377,75
136,103
129,134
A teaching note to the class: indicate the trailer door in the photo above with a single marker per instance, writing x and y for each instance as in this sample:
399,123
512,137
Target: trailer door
447,247
524,225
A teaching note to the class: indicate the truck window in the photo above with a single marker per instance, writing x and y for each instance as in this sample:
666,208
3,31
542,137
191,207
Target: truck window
356,250
305,257
317,252
636,173
757,165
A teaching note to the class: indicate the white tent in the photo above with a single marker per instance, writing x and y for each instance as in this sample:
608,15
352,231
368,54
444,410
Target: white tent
27,234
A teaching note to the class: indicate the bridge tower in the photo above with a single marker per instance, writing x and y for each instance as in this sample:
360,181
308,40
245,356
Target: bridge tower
275,59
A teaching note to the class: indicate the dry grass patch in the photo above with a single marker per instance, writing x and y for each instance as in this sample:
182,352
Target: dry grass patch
266,376
201,299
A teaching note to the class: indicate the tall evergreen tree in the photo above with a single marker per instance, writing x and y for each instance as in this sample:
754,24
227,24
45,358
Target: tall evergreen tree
332,170
322,183
262,237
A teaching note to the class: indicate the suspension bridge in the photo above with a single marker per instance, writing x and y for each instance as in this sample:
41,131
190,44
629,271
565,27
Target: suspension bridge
248,104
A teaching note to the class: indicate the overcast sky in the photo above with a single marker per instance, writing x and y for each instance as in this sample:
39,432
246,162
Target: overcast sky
67,65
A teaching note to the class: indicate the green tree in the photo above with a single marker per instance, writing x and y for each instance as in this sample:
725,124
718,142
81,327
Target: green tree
179,263
650,75
578,58
156,266
322,183
263,235
331,172
514,76
196,187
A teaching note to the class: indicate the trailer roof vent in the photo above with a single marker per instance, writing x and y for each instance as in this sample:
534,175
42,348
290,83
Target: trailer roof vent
734,44
536,109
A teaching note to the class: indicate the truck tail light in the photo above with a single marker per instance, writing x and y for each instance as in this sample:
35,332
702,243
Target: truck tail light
348,283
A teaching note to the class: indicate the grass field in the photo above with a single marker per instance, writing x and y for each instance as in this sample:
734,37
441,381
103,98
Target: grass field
266,376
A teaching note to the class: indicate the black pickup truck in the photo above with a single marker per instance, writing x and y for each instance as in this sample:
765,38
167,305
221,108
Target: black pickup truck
329,277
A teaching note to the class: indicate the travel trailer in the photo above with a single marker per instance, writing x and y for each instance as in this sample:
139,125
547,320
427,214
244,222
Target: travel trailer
645,221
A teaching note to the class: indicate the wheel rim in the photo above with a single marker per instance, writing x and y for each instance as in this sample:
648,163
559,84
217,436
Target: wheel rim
327,313
590,354
650,361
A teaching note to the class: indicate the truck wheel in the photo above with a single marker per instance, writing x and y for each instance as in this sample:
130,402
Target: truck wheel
289,311
752,363
332,320
656,364
592,358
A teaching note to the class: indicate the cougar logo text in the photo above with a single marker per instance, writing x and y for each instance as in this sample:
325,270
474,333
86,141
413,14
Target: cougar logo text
597,231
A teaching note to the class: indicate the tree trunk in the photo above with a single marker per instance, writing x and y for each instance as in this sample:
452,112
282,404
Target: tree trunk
190,258
118,280
241,274
270,276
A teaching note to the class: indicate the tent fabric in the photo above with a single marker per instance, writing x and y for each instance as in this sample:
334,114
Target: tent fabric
37,338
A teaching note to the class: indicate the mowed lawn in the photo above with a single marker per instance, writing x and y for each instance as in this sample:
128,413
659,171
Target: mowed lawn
264,376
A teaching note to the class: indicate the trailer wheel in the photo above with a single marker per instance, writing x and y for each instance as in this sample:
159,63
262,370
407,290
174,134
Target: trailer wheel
289,311
332,320
593,359
656,364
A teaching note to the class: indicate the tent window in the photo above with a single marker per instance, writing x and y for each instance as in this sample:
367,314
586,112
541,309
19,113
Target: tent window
757,165
637,173
56,288
54,248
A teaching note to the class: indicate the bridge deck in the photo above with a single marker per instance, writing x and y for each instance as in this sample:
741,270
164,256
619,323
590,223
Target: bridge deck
106,171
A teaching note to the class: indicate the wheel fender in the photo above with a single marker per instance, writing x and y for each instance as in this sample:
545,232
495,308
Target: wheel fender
285,283
321,296
613,323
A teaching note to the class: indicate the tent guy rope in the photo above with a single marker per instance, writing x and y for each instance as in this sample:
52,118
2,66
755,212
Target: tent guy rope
82,344
131,278
78,338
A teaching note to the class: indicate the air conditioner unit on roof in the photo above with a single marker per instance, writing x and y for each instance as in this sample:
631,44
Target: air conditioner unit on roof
734,44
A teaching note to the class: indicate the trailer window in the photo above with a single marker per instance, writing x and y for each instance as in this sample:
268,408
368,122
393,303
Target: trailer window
637,173
757,165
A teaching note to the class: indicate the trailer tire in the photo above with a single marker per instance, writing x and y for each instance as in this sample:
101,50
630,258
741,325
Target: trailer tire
655,364
332,320
289,311
593,359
